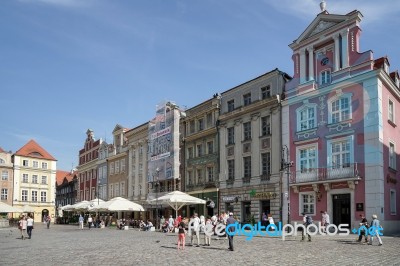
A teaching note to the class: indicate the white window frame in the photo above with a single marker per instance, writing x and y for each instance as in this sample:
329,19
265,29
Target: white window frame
247,99
247,128
325,77
35,164
44,165
230,133
391,111
265,125
301,202
247,166
230,105
25,163
35,179
306,107
299,158
4,194
334,99
392,203
122,164
34,196
4,175
24,195
43,196
44,180
25,178
265,165
210,174
392,155
122,189
116,167
351,151
111,168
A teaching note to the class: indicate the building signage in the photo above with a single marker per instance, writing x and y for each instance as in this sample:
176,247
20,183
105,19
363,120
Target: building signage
263,195
229,199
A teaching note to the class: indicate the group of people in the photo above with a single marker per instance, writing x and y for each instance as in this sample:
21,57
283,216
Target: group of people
25,226
364,228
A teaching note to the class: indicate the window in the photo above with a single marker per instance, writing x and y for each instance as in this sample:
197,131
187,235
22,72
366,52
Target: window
231,105
201,124
35,164
231,135
265,125
391,111
24,178
116,190
266,163
34,196
247,166
231,169
44,179
192,127
200,179
209,120
117,167
247,130
25,163
4,194
247,99
43,196
34,179
265,92
24,195
340,152
307,159
199,150
340,110
307,203
111,190
190,178
2,161
44,165
190,152
111,168
325,77
210,147
392,156
306,118
4,175
210,174
392,202
141,150
123,165
122,188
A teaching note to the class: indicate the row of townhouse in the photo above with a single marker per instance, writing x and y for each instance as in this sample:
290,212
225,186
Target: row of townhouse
28,180
324,140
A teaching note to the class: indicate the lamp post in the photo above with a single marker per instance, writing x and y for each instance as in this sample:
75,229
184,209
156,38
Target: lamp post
285,166
157,184
98,193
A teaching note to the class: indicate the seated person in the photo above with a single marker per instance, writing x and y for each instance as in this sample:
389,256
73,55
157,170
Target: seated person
142,225
149,225
164,227
122,224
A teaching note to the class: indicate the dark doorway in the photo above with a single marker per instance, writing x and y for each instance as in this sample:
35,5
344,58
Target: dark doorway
341,209
246,210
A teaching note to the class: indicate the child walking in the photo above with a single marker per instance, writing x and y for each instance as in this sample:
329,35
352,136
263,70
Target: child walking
181,235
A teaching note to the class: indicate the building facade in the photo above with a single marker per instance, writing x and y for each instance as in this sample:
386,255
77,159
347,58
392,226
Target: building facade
200,156
102,170
65,188
339,122
35,180
6,181
87,167
250,148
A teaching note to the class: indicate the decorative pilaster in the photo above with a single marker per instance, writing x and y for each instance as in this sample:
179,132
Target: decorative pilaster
337,55
310,63
345,48
302,66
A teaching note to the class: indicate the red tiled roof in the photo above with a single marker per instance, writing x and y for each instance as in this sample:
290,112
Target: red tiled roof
32,149
1,150
60,175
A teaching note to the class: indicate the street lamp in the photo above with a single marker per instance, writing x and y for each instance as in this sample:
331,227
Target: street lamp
98,193
157,184
285,166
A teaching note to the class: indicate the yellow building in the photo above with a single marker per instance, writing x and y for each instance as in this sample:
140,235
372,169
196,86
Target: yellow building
34,181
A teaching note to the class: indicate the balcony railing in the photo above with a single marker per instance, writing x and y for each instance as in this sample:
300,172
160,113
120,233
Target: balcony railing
325,174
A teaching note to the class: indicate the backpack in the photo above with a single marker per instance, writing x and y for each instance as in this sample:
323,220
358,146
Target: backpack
308,220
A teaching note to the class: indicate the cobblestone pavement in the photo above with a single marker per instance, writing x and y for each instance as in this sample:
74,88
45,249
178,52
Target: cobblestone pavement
67,245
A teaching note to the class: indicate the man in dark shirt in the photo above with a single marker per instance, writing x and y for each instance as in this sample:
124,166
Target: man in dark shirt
362,232
229,221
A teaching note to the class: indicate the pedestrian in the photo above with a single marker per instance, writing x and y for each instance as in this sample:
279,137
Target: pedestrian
162,222
264,219
229,221
90,221
195,230
376,227
181,235
23,224
271,222
48,220
307,220
81,221
171,224
207,233
363,231
29,224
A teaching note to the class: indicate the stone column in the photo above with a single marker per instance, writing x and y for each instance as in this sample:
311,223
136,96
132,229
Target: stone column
345,48
337,56
302,66
310,63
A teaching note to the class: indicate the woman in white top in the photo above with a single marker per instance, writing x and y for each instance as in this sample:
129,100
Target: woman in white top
23,224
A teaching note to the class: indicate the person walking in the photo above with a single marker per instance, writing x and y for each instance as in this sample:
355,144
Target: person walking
307,220
196,230
229,221
48,221
29,224
23,224
363,231
264,219
207,237
81,221
181,235
90,221
170,224
376,228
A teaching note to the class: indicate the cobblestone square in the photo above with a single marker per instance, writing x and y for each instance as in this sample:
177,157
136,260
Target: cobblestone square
67,245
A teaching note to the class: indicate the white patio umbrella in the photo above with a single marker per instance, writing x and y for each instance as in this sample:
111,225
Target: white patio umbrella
94,203
177,199
119,204
27,208
8,208
82,205
66,207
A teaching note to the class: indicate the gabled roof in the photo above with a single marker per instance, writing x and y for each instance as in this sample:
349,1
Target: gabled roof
118,127
1,150
325,21
34,150
60,175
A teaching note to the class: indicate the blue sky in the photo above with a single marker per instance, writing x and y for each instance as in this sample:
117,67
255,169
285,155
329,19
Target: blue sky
70,65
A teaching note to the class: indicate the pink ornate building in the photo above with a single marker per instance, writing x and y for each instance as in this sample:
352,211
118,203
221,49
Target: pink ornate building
340,121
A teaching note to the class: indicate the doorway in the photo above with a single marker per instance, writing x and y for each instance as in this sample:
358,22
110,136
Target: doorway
341,209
